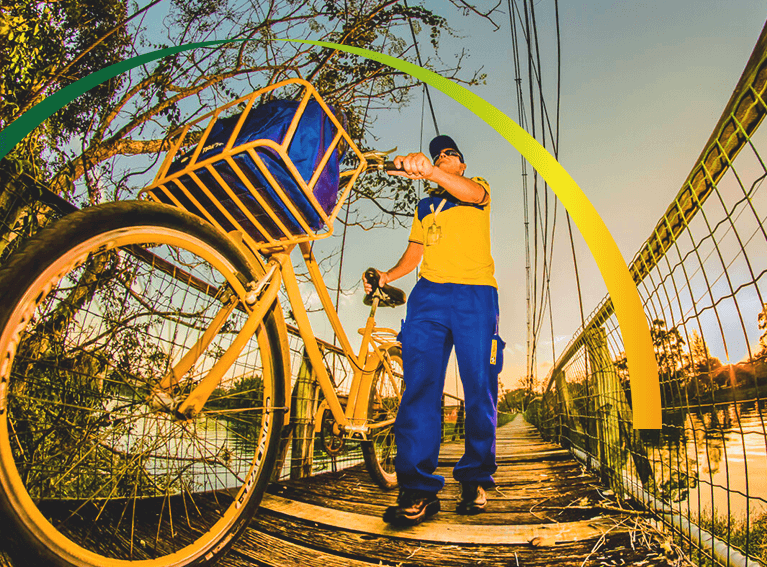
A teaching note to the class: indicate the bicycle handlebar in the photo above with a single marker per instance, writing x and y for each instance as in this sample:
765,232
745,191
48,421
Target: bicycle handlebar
383,166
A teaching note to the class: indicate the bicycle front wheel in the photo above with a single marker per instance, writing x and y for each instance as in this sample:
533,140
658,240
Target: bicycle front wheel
95,468
385,395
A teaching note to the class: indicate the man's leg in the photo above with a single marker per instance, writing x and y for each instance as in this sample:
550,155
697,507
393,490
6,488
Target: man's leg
475,311
426,346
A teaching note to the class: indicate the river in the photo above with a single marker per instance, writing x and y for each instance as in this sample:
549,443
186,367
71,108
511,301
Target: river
718,457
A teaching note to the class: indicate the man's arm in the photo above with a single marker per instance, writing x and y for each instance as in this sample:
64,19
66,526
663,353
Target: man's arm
418,166
462,188
406,264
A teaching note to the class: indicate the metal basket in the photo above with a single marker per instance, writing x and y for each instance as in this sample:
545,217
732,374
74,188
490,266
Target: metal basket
255,187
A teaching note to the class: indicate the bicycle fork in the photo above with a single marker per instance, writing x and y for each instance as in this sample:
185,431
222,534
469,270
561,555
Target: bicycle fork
258,301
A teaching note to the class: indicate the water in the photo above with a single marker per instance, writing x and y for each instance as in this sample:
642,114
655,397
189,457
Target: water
209,453
718,459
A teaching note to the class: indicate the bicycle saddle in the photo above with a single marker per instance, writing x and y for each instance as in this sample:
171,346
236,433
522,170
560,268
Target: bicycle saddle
389,296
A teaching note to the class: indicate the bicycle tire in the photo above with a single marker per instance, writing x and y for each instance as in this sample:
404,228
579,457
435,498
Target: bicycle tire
95,309
379,451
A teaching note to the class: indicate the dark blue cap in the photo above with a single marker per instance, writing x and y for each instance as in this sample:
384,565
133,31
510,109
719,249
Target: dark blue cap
442,143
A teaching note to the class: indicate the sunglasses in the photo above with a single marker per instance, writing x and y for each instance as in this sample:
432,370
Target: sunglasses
450,153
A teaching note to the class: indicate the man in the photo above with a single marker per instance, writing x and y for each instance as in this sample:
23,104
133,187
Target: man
455,302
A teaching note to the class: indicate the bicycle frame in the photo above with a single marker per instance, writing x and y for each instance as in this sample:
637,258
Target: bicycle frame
351,420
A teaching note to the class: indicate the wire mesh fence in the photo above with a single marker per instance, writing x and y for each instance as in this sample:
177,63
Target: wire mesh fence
701,276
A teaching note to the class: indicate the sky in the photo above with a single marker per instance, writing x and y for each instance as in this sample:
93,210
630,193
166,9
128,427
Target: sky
642,87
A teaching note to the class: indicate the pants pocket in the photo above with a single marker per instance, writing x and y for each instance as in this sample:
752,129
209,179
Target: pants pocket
497,345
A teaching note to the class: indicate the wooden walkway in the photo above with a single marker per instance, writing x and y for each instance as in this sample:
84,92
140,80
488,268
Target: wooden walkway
545,511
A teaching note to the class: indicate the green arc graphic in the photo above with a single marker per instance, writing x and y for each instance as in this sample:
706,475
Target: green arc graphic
645,387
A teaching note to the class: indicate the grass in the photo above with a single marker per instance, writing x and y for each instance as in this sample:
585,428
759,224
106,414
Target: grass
504,418
750,538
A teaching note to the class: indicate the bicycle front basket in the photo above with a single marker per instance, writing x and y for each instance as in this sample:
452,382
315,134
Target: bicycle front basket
271,171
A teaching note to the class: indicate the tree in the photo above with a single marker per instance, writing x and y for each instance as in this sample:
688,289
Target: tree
513,401
669,348
762,324
699,359
529,386
46,47
79,156
622,369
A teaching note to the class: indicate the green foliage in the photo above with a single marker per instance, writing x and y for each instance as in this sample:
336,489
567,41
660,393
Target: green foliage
762,324
77,151
669,348
504,418
534,413
42,38
513,401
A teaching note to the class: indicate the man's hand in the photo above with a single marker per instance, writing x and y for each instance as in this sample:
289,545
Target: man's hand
383,278
413,166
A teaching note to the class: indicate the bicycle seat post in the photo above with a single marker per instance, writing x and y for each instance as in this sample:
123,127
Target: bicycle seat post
369,326
374,304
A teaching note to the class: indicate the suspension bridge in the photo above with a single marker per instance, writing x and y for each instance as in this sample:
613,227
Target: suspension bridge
576,484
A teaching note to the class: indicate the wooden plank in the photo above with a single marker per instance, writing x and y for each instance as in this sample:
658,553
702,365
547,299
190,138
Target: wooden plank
459,534
498,513
334,519
394,551
529,506
260,548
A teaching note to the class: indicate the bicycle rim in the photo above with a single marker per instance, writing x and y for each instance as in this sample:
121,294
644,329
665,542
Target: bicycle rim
92,469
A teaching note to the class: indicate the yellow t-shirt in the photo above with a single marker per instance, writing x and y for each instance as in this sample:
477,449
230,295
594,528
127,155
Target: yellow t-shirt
456,239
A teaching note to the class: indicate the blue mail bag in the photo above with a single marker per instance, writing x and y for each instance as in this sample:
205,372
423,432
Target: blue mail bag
313,136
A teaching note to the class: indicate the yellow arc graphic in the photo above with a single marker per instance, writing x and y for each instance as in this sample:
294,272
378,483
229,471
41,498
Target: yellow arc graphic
645,387
637,341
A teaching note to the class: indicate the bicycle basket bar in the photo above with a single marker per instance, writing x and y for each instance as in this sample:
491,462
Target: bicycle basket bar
242,207
270,172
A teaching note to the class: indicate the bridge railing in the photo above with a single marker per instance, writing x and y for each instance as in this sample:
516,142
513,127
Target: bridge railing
702,276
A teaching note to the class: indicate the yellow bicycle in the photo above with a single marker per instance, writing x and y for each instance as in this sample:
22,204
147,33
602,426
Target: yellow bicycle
144,356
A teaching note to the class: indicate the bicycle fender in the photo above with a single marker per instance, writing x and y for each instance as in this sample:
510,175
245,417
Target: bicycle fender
282,331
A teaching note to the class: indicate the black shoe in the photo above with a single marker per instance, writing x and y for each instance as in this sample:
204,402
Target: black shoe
413,507
473,499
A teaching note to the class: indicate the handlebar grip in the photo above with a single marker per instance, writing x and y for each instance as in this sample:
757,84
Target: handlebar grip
389,166
372,277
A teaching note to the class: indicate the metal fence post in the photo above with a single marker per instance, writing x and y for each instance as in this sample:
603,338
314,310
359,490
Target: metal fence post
302,411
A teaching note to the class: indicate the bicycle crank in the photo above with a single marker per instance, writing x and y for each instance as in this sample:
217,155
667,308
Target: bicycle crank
330,434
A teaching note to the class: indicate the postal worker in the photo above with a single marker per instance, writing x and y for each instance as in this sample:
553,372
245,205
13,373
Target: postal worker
454,303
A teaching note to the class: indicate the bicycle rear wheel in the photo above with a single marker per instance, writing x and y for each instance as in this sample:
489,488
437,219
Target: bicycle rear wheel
94,470
385,395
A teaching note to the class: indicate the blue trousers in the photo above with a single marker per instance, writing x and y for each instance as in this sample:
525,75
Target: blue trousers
440,316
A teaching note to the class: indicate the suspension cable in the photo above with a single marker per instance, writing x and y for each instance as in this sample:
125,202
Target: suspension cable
349,199
536,307
525,206
420,64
